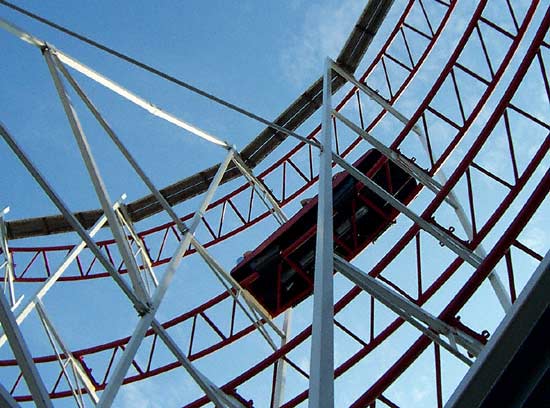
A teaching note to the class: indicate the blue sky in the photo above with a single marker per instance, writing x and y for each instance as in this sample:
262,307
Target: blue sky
258,55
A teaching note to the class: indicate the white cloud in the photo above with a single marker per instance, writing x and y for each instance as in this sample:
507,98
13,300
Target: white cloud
324,31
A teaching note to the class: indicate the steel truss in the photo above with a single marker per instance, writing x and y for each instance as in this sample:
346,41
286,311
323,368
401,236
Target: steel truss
32,263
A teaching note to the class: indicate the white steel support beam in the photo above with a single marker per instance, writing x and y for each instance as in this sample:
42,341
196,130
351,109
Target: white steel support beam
6,400
420,175
23,356
280,375
264,193
113,86
23,312
8,265
234,289
79,374
321,380
412,313
455,246
146,263
496,283
75,224
132,347
97,181
116,140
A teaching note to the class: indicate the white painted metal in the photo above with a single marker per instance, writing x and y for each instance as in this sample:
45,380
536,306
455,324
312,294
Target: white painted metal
264,193
23,356
113,86
75,224
321,380
496,283
414,314
6,400
146,263
64,357
117,377
8,264
23,312
99,185
280,375
455,246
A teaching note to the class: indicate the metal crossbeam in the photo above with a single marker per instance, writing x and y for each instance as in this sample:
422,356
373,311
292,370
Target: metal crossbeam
22,312
455,246
412,313
63,353
401,161
146,320
147,264
23,356
452,199
97,181
265,194
75,224
6,399
110,84
8,264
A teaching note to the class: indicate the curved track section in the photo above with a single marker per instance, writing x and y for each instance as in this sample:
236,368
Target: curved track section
475,115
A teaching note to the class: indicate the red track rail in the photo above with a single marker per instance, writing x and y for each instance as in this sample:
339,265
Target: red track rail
494,218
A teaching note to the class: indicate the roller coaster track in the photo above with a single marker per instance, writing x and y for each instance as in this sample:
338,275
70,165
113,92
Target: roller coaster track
473,79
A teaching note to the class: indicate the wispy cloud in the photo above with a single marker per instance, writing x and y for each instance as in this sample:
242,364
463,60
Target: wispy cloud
323,33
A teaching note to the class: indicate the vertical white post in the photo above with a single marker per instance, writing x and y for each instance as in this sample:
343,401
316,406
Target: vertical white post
280,375
8,280
321,380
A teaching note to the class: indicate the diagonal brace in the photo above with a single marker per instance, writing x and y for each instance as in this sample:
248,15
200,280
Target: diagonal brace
412,313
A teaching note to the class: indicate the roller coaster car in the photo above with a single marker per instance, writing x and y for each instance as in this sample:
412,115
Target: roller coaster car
279,273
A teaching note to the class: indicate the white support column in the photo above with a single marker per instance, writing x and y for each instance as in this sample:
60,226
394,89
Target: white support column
280,375
412,313
8,265
23,356
321,380
115,381
97,181
496,283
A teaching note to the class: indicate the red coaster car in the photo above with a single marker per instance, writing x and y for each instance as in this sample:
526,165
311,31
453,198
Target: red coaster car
279,273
